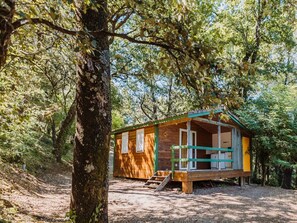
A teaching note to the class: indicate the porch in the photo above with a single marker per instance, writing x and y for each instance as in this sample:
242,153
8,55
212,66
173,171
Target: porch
204,150
188,177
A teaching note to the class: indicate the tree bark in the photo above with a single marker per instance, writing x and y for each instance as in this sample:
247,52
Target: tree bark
268,174
59,143
296,178
252,51
154,101
287,178
169,102
279,175
6,28
255,172
53,130
263,174
89,199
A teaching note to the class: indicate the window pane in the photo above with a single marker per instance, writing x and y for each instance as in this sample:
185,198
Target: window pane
140,140
125,142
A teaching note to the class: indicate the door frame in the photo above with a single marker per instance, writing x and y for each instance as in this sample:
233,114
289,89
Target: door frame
193,165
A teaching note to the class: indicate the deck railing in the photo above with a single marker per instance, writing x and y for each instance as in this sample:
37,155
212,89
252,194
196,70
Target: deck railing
201,160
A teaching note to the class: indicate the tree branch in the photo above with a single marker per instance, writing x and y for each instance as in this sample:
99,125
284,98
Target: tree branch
143,110
22,22
145,42
10,3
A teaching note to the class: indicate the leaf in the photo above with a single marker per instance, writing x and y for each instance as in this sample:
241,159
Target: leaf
53,13
76,49
22,14
33,10
94,43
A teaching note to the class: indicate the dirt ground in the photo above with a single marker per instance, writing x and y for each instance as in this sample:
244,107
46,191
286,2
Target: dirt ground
46,199
130,202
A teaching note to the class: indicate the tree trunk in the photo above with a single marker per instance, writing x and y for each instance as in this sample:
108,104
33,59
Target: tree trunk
279,175
154,100
169,102
53,130
268,174
6,29
255,172
296,178
59,143
263,174
89,199
287,178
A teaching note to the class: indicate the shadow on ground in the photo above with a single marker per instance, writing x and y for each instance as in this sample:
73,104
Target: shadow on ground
130,202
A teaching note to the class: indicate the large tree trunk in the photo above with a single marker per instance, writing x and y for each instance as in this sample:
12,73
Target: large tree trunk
59,143
93,127
287,178
6,29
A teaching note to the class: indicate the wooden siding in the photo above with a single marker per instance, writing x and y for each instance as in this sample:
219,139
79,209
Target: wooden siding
204,138
135,164
175,122
169,135
205,175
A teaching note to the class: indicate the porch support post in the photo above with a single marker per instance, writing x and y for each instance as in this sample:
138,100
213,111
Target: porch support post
241,181
187,187
189,143
156,149
219,142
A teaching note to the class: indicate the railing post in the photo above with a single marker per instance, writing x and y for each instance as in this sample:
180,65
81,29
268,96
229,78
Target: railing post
172,160
219,143
189,143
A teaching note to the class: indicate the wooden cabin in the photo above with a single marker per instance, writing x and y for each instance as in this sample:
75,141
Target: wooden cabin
194,146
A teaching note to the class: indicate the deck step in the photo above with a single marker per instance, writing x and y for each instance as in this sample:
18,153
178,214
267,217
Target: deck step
159,176
154,181
158,182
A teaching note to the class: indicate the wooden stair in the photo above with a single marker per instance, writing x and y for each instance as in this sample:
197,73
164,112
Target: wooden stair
158,182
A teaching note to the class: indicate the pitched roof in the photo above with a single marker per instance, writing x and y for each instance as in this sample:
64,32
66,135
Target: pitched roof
191,114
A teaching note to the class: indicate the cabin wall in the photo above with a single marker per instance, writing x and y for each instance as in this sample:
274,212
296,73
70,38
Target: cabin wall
246,154
135,164
204,138
169,135
226,140
237,149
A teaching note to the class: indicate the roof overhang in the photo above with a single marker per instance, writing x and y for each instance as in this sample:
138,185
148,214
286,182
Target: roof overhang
191,115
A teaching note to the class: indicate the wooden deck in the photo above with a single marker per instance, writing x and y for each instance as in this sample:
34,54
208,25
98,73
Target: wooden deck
200,175
188,177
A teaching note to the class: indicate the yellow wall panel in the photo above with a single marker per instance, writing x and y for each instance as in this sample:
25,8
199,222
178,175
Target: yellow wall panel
246,154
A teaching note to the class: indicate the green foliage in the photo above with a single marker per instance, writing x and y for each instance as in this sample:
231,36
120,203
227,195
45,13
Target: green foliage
70,216
272,116
36,86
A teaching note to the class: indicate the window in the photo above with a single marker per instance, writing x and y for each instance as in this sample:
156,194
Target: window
125,139
140,140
